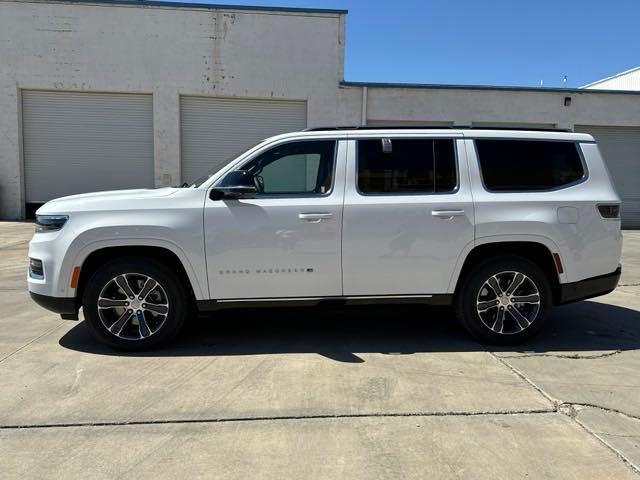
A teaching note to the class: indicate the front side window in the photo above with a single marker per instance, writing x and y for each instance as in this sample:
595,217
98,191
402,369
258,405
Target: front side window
528,165
406,166
295,168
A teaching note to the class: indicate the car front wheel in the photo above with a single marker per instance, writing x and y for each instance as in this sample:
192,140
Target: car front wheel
134,304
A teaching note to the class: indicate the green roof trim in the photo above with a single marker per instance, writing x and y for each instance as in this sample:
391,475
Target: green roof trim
207,6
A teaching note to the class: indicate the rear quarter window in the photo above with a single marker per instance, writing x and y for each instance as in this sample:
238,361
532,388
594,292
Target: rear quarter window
528,165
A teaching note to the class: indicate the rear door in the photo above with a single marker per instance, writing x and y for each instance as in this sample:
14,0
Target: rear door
408,214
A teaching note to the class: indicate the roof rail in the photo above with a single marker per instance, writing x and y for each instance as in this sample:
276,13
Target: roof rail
374,127
429,127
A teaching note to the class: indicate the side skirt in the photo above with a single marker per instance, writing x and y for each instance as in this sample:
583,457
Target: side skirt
212,305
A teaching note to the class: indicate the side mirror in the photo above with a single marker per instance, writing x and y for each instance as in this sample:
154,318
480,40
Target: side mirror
234,185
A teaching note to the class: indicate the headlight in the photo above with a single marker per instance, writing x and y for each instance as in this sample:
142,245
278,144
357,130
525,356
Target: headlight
50,223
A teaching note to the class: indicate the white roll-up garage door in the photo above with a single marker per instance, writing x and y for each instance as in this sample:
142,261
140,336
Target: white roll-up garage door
214,130
85,142
620,147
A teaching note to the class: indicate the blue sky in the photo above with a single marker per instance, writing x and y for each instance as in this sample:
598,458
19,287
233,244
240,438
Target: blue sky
499,42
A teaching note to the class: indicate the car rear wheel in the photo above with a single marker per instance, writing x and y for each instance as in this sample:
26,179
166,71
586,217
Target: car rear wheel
134,304
504,301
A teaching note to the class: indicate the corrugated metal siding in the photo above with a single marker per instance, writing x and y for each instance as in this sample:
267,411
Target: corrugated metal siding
214,130
85,142
620,147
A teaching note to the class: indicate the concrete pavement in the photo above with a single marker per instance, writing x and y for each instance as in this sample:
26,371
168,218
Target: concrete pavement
386,392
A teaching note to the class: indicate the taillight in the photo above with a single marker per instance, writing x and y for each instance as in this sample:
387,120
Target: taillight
609,210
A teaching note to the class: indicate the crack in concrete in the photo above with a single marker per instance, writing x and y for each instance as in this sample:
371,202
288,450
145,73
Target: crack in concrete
45,333
621,456
540,411
524,378
598,407
571,356
562,408
569,409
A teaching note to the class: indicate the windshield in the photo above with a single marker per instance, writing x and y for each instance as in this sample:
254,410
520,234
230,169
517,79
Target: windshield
220,166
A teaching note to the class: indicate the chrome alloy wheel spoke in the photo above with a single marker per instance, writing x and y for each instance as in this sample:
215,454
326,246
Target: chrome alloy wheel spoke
148,286
533,298
143,328
518,279
123,283
487,305
157,308
110,303
117,326
519,317
494,285
498,325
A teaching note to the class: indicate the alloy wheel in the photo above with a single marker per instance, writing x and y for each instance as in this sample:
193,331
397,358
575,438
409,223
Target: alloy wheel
508,302
133,306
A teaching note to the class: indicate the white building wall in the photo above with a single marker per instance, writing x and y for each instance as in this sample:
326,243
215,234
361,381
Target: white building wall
167,52
518,107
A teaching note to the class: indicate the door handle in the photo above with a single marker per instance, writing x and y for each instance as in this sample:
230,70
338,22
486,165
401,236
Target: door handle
314,217
447,213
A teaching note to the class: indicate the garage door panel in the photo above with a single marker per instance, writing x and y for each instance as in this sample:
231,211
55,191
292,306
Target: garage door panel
620,148
85,142
214,130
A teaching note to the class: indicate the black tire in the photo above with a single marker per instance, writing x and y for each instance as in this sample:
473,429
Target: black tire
159,328
474,289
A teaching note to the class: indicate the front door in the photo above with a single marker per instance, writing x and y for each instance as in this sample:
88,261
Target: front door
408,215
284,241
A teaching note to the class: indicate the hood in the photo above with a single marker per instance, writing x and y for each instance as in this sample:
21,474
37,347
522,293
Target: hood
101,200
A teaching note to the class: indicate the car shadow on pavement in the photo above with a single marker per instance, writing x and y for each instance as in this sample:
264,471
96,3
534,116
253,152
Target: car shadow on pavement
341,333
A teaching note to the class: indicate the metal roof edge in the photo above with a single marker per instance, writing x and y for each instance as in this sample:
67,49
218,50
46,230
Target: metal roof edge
435,86
631,70
206,6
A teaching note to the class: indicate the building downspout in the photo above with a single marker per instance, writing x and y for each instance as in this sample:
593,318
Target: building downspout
363,120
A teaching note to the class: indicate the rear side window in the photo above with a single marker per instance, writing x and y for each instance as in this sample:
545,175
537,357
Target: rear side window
516,165
406,166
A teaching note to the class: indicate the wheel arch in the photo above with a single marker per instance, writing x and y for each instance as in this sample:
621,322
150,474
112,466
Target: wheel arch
534,250
90,258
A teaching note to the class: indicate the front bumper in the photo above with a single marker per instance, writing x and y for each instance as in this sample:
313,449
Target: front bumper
66,307
589,287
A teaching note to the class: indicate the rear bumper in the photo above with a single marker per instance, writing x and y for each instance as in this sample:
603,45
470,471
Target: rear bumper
66,307
589,287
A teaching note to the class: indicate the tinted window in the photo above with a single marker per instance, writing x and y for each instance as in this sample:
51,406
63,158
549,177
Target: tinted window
406,166
295,168
528,164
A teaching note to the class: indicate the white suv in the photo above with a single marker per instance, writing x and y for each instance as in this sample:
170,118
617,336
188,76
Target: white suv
499,224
